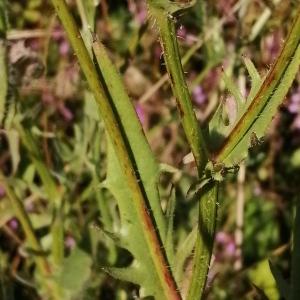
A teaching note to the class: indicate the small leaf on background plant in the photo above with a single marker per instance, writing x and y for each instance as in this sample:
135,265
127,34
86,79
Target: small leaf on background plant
75,272
262,277
282,284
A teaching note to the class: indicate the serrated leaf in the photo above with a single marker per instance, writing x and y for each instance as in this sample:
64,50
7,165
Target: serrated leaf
264,105
147,172
131,234
129,274
231,110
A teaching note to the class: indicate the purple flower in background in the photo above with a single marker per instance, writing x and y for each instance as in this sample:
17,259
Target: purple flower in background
65,112
70,242
64,48
58,33
271,46
227,247
158,51
139,11
222,237
181,32
2,191
296,123
13,224
294,104
199,95
47,97
230,249
293,107
140,112
63,44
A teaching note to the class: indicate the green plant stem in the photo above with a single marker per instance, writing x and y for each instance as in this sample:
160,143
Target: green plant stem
270,94
205,239
169,289
22,216
191,127
295,273
36,157
209,195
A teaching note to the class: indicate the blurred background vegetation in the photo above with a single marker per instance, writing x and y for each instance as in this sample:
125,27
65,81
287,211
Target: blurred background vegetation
50,96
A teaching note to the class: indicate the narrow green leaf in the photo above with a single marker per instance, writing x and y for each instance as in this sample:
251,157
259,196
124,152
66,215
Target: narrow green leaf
147,168
256,80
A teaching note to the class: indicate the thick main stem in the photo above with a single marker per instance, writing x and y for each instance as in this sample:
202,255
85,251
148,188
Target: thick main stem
172,58
168,284
209,194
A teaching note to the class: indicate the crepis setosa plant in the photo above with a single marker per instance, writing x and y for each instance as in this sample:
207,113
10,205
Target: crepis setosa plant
146,231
